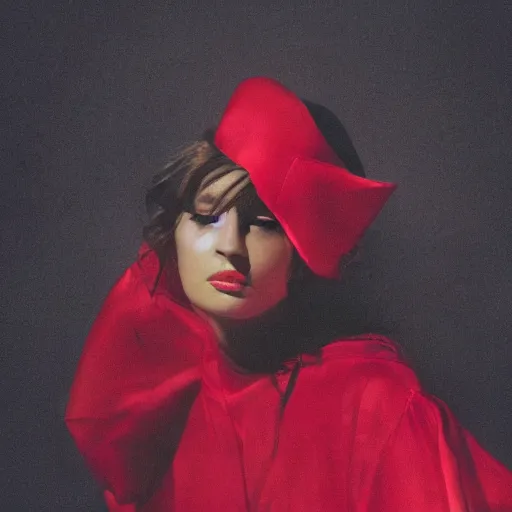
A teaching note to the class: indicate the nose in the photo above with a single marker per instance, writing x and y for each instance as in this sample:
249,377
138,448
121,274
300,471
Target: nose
231,238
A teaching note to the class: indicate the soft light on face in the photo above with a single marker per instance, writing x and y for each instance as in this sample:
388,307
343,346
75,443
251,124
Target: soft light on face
207,240
251,243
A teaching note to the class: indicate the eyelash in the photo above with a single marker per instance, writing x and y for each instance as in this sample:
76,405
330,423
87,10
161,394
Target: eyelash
204,220
266,224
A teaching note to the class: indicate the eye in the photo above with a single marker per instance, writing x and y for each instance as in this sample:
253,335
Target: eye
267,224
204,220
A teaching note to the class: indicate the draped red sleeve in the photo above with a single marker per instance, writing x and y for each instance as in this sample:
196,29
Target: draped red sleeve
431,463
135,381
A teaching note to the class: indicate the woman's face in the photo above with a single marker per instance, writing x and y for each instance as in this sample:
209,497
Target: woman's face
236,264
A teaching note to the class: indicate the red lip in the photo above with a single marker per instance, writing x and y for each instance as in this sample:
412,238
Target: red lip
228,281
229,276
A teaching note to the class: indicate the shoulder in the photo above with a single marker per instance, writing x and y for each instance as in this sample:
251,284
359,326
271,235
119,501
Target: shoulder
361,388
370,360
366,378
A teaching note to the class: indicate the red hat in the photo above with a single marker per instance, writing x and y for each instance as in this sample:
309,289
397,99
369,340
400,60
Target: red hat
324,209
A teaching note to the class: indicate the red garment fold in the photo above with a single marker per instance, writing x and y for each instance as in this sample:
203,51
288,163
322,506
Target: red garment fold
167,425
133,386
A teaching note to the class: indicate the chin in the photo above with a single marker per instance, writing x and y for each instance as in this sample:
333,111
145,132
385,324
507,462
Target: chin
232,313
239,312
232,306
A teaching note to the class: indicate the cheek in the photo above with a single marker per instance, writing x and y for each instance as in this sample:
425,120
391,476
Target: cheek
191,242
188,251
204,243
271,262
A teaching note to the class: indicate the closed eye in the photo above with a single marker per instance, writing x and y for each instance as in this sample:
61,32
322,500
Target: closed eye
267,224
204,220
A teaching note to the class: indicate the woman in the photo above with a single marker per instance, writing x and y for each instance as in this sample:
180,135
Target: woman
205,384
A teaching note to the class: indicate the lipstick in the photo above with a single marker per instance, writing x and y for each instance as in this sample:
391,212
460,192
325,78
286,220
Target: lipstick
228,281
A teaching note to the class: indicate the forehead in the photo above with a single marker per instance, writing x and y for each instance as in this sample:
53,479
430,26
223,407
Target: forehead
220,191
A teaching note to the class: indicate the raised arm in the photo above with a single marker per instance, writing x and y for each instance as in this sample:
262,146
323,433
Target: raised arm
135,382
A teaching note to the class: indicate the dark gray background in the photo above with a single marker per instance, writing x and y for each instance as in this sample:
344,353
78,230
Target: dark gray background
98,94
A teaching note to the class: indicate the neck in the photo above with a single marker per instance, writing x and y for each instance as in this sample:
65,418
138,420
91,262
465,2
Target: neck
259,344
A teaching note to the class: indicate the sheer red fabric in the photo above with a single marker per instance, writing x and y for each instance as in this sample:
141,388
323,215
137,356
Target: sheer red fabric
166,424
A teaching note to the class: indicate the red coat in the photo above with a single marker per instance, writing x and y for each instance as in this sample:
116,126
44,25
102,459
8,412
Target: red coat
164,422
